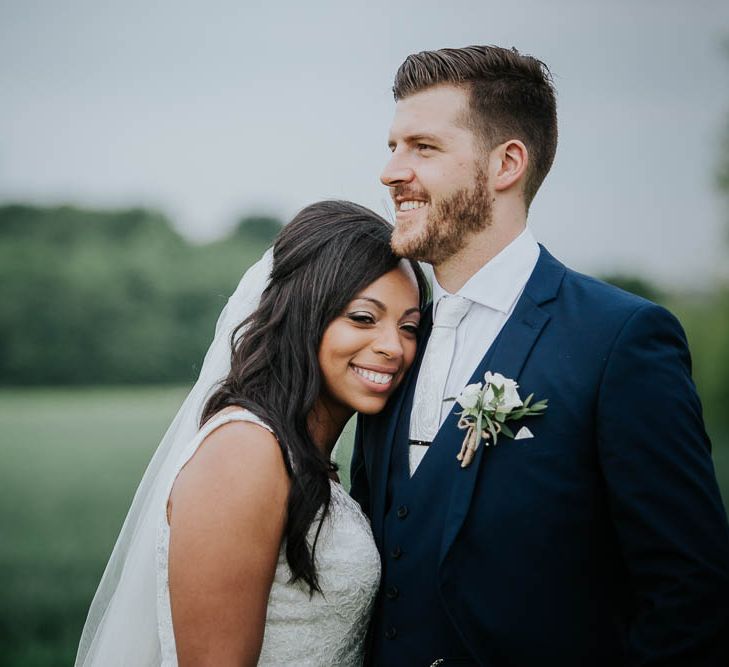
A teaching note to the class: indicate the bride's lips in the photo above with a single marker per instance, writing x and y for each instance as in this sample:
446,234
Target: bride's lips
378,379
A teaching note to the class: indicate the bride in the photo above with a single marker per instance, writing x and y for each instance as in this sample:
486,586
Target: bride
241,547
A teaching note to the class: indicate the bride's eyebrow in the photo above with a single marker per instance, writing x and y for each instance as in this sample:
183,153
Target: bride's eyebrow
377,303
383,307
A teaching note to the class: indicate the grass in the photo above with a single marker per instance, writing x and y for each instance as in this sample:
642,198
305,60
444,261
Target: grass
70,463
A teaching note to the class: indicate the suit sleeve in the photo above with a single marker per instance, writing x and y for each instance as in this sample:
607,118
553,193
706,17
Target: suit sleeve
663,496
360,489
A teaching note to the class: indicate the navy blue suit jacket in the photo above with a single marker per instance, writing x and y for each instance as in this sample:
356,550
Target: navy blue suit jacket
603,539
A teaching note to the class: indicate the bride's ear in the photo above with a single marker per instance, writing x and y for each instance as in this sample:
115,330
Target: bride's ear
508,163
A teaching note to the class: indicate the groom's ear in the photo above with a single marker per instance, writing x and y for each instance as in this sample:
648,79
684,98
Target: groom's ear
508,164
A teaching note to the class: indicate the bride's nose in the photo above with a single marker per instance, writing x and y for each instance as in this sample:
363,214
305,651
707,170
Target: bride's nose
388,343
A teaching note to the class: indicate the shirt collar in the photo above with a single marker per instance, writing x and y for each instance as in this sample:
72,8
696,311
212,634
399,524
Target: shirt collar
499,282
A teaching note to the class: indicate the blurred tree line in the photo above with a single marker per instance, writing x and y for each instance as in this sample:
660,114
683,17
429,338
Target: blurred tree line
118,297
98,297
705,319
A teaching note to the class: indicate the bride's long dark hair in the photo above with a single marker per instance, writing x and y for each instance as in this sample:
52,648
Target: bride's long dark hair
322,259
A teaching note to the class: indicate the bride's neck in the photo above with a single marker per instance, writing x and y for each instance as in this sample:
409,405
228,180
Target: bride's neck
326,423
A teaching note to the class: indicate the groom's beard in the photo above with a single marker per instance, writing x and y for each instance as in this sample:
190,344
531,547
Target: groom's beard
448,226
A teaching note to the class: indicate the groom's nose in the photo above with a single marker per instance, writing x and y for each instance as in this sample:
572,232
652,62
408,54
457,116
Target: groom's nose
396,171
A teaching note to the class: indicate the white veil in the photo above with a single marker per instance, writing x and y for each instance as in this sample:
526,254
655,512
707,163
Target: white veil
121,626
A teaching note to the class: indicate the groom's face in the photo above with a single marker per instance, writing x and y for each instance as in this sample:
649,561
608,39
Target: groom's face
436,175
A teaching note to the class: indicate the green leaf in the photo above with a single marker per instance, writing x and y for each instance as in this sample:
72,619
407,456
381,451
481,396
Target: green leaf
491,428
507,431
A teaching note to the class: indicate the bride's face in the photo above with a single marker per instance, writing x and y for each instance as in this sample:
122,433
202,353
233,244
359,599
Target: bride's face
366,351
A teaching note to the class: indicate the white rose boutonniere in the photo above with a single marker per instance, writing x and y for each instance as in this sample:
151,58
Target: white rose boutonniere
470,396
486,409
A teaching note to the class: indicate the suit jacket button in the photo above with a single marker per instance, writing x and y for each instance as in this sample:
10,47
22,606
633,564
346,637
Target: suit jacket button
402,511
396,552
390,633
392,592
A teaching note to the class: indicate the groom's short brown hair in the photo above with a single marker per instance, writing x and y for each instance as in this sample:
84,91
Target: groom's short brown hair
512,97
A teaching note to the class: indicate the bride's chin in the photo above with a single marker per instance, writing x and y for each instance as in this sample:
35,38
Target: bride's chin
371,405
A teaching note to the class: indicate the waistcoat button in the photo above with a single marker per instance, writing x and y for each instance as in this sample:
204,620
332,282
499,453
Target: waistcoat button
390,633
402,511
392,592
396,552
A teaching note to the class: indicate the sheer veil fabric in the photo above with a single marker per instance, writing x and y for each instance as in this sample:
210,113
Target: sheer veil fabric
121,626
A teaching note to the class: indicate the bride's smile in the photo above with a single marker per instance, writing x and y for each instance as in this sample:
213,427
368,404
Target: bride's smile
378,377
366,351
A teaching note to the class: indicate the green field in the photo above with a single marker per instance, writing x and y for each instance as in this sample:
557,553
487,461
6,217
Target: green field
71,460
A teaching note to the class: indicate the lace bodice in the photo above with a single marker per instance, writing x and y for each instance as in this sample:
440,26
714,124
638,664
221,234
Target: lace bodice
326,629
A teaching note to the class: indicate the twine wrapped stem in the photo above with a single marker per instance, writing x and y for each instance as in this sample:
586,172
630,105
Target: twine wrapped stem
474,433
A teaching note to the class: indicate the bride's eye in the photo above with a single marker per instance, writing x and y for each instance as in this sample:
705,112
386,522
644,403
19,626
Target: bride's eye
410,327
361,318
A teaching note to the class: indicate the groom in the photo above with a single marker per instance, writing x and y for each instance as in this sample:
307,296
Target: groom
598,536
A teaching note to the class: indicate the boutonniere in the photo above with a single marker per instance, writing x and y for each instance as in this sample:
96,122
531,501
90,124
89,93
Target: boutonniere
487,407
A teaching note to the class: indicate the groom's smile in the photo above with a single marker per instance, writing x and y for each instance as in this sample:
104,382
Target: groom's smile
410,206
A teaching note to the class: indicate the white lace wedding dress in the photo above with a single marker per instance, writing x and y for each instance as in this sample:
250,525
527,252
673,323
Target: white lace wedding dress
326,629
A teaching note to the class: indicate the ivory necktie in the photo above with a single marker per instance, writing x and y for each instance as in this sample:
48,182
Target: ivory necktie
428,400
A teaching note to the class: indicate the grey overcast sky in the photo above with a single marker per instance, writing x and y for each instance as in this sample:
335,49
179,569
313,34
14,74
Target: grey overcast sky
209,110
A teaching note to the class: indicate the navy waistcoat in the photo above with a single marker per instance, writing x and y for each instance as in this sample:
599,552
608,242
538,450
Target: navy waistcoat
411,625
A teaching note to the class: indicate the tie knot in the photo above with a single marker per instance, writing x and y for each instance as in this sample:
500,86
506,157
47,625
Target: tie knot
450,311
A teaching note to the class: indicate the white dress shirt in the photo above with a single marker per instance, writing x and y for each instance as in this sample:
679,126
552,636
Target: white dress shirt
493,290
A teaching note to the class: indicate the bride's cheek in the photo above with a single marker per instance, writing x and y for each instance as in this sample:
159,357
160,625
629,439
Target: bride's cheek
412,350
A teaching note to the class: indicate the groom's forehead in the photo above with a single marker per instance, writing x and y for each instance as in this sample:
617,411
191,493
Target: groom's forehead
434,111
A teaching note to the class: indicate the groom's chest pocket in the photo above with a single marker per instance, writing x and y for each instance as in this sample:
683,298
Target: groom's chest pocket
523,480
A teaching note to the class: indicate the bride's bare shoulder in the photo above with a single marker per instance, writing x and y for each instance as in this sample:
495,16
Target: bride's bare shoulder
238,465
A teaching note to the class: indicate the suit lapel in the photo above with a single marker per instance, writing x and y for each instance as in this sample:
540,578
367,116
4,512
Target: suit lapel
507,355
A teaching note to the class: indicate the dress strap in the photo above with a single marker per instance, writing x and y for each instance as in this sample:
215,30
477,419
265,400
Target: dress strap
238,415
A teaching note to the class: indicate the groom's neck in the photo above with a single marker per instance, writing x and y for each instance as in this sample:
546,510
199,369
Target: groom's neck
479,250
